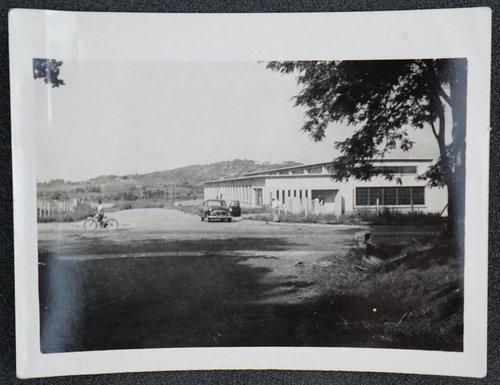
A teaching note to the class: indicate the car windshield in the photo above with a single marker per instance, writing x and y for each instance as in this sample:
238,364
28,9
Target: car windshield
216,203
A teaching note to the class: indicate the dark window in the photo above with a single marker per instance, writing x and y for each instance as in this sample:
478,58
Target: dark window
362,196
418,194
394,170
404,196
298,171
300,194
288,192
283,196
283,172
278,194
390,196
295,193
375,194
408,169
315,170
306,193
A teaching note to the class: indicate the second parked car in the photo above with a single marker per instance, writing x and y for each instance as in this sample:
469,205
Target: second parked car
235,208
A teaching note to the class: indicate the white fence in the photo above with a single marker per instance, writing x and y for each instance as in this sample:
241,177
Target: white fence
311,206
47,208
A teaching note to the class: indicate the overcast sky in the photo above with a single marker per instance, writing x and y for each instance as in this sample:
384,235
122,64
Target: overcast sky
126,118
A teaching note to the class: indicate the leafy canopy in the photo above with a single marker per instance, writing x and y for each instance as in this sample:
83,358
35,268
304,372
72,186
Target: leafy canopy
382,99
48,70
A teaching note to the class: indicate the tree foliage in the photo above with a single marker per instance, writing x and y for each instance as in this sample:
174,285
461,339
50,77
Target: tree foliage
382,100
48,70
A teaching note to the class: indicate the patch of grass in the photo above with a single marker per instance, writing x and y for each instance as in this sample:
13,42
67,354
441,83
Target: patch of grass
256,210
411,304
139,204
385,218
190,209
397,218
267,216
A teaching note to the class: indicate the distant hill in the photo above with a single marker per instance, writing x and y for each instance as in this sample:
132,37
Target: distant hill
188,181
198,174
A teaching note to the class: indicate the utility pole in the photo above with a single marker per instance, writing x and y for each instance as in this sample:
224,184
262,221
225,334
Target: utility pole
173,194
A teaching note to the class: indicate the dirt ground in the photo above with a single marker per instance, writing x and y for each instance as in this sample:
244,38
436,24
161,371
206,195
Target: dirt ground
166,279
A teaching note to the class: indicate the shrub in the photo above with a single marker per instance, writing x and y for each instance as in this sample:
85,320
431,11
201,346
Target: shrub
398,218
188,209
386,217
139,204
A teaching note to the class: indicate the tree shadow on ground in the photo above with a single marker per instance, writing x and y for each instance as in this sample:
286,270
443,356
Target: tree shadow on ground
195,301
104,246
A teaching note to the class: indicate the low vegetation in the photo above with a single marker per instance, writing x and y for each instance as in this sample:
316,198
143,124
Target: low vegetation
190,209
140,204
385,217
412,299
397,218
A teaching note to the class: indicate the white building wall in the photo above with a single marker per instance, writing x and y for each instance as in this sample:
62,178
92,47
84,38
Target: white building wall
302,183
243,189
436,199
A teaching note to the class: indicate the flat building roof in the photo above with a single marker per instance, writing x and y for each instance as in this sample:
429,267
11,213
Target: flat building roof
267,173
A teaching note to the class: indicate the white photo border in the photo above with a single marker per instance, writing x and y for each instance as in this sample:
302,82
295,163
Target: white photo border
450,33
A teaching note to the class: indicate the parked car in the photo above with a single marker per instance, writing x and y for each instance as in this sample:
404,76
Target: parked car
235,208
215,209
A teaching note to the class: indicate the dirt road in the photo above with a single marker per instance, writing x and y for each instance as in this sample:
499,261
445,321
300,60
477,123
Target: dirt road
166,278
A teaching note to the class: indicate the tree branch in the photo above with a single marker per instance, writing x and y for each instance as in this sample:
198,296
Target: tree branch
434,131
444,95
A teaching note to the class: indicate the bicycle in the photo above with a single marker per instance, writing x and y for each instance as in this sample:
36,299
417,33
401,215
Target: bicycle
92,224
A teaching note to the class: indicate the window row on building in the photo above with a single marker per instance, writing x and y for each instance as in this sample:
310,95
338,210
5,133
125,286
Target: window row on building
384,170
387,170
390,196
300,171
282,194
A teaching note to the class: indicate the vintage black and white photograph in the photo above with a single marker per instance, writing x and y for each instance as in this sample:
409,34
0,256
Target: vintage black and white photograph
301,203
250,203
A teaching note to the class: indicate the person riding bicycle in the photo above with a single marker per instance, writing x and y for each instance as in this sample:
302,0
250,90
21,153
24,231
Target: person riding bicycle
100,213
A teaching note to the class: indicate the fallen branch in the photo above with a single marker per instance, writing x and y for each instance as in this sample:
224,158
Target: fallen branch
401,320
360,268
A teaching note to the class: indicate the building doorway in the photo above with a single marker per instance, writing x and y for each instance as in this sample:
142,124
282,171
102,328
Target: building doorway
324,201
258,197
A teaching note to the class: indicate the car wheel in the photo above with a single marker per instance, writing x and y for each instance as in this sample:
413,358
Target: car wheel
202,218
229,220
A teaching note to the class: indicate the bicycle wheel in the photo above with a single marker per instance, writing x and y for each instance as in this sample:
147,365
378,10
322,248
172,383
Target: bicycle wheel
90,224
111,224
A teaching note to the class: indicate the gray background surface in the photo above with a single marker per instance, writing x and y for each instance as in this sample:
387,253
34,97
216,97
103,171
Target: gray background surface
7,324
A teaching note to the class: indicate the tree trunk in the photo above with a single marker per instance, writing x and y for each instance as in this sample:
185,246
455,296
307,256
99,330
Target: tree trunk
458,96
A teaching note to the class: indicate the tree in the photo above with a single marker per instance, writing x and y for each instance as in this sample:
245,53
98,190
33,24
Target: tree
48,70
382,100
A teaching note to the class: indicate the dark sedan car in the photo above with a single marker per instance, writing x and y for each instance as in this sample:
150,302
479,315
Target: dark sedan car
215,209
235,208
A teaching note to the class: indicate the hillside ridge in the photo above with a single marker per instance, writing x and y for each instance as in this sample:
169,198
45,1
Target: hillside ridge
188,181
